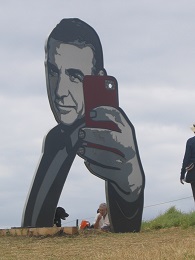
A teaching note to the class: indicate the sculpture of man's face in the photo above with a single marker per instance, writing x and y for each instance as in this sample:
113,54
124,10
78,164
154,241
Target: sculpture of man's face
66,66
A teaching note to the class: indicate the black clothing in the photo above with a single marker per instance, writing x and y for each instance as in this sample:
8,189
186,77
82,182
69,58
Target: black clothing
189,156
193,189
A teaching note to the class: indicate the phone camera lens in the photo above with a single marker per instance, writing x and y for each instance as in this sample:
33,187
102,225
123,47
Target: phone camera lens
110,85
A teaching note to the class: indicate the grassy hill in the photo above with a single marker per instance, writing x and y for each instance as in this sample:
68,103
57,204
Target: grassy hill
169,236
171,218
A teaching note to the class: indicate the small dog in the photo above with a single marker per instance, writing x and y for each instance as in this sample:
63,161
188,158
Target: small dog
60,214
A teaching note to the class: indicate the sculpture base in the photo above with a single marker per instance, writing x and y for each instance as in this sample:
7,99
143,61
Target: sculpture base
44,231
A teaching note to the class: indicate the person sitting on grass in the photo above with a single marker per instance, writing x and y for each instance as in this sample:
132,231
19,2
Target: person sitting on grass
102,220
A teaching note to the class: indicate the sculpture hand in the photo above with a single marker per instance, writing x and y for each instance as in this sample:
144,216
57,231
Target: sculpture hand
113,155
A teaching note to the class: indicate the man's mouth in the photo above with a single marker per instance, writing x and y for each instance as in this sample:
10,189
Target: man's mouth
65,108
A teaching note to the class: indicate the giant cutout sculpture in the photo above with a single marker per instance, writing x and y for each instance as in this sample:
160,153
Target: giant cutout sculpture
77,85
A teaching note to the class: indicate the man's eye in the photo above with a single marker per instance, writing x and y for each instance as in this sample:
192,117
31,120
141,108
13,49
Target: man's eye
76,78
75,75
72,78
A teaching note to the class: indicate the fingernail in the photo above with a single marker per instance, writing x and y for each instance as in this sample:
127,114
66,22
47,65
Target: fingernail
93,114
81,134
81,150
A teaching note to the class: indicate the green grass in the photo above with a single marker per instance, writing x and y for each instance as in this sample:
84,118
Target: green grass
171,218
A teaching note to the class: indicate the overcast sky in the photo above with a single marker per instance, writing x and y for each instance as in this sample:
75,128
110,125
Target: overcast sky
149,46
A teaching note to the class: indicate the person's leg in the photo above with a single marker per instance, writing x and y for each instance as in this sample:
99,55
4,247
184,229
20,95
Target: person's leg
193,189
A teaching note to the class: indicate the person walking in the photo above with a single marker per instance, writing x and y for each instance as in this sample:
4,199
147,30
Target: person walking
189,157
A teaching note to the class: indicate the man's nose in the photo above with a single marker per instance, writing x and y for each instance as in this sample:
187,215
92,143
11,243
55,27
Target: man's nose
63,86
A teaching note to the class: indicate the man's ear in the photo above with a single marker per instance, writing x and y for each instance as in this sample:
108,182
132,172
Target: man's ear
102,72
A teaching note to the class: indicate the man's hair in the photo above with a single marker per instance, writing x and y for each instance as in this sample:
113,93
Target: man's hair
75,31
103,205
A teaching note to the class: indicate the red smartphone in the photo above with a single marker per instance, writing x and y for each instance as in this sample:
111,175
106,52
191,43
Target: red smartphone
100,91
